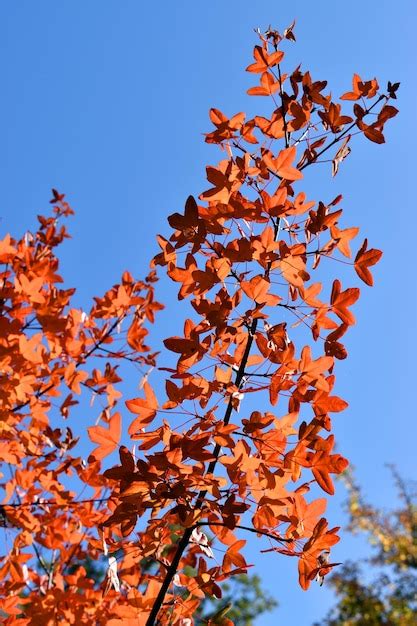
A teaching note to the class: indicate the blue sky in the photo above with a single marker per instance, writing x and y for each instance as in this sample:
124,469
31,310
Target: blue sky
107,101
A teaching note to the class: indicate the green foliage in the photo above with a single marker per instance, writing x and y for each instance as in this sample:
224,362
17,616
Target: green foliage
243,602
381,590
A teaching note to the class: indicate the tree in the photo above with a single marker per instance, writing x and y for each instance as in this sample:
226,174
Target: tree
204,454
381,590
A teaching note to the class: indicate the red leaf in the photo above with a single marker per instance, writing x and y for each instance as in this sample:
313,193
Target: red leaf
363,260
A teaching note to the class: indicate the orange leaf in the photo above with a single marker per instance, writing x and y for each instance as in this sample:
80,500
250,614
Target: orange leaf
282,164
363,260
342,238
7,251
367,89
340,300
293,270
144,407
312,371
268,86
257,289
107,438
264,60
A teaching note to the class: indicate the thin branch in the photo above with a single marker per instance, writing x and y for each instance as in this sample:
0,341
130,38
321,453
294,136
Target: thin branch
284,119
249,529
341,135
52,503
82,360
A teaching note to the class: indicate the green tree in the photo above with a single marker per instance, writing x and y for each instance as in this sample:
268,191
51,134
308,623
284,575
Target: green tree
244,600
380,590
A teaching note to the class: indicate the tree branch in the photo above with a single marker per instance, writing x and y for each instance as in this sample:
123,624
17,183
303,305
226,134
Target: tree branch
249,529
185,539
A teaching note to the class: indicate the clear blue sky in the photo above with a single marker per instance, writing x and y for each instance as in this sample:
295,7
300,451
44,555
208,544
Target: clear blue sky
107,101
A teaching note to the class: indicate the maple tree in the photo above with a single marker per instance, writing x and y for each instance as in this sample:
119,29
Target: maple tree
202,465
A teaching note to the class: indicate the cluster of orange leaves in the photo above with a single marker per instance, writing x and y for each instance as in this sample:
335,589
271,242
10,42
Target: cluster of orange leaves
202,459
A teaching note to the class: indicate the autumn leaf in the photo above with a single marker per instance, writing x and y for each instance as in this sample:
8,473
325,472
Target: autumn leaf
256,288
340,155
365,259
263,60
342,239
7,251
293,266
322,464
225,128
371,132
224,180
312,370
106,438
341,300
321,539
145,408
282,164
365,89
268,86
